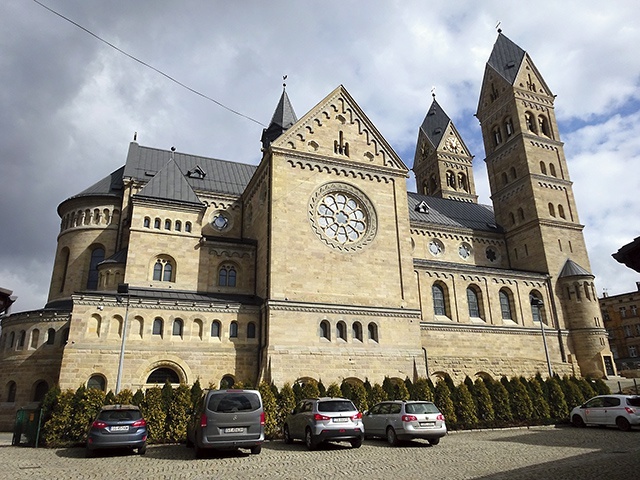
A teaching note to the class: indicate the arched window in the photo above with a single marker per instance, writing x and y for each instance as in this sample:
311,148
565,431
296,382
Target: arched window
233,330
505,304
178,225
439,302
472,301
552,169
98,382
537,307
508,126
505,178
158,325
156,223
543,168
552,210
372,330
451,179
147,222
51,336
163,375
40,390
544,125
325,330
561,211
163,270
187,227
462,182
11,392
227,276
513,173
167,224
433,184
65,262
97,256
251,330
215,329
521,213
12,338
21,339
357,331
497,136
342,331
227,382
528,120
35,338
512,218
178,327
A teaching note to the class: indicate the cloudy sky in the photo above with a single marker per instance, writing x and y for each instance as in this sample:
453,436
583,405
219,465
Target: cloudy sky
70,104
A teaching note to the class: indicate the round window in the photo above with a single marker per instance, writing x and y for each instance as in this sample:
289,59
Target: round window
220,221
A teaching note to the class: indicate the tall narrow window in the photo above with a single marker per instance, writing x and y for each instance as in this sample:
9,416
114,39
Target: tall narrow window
561,211
157,326
357,331
97,256
215,329
167,224
325,330
233,330
147,222
21,338
439,305
505,305
342,331
11,392
543,168
35,338
472,300
178,226
177,327
552,169
552,210
227,276
51,336
251,330
156,223
372,330
187,227
163,270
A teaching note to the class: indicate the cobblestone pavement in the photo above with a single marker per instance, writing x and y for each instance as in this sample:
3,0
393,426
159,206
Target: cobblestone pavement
535,453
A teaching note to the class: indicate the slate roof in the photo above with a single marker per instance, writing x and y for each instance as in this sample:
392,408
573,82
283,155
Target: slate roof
283,118
221,176
629,255
109,185
572,269
170,183
435,123
506,58
452,213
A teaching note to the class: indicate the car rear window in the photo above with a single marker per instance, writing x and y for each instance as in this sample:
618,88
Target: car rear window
119,415
233,402
633,401
421,408
336,406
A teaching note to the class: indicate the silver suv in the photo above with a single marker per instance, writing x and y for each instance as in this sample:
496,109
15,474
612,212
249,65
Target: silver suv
405,420
316,420
226,420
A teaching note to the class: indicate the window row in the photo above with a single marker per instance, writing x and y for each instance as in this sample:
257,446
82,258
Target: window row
88,217
633,311
536,124
177,328
442,303
341,331
552,169
168,224
32,339
164,271
552,211
578,289
628,331
38,391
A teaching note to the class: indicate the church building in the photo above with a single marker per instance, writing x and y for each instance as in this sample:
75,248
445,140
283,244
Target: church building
317,263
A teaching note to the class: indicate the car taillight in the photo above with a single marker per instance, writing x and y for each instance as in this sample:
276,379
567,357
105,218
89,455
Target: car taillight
318,418
357,416
262,418
203,420
630,410
440,417
98,424
140,423
409,418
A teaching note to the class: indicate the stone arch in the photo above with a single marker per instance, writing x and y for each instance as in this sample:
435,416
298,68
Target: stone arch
170,361
484,376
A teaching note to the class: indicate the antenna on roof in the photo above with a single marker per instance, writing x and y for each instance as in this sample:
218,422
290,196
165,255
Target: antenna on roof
284,83
173,149
498,27
135,136
433,92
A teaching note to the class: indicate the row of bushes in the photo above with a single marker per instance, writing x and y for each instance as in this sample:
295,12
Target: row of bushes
471,404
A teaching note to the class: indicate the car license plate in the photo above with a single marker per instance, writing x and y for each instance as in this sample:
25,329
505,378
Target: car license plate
119,428
340,419
427,424
234,430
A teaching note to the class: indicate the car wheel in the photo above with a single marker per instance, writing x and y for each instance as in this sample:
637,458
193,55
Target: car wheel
142,450
309,440
434,441
623,424
577,421
287,435
356,442
392,438
256,450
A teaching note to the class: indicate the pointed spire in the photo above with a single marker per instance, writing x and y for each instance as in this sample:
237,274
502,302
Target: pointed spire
435,123
506,58
283,118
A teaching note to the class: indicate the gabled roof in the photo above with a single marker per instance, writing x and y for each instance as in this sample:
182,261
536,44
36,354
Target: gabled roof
572,269
119,257
282,119
506,58
170,184
221,176
435,123
451,213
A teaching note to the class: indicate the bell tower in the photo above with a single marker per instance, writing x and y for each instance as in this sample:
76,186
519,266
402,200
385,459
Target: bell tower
442,163
532,194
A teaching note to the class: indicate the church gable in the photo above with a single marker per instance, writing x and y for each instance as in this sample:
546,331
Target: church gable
339,129
528,78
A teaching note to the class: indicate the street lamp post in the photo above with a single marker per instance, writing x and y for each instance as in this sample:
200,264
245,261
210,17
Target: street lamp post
537,303
124,289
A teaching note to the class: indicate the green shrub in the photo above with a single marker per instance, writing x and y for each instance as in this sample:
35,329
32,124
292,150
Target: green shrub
270,406
310,389
464,407
442,399
286,403
334,391
56,432
500,402
484,405
376,395
125,397
196,394
177,414
558,409
155,414
421,390
538,401
519,401
572,393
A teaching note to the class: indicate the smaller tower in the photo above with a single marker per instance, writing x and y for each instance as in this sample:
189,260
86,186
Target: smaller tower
282,119
442,163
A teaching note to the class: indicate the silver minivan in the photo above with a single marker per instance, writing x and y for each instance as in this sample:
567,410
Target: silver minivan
227,420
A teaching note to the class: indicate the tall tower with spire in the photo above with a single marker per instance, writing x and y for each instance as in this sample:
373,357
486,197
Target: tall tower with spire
533,197
442,163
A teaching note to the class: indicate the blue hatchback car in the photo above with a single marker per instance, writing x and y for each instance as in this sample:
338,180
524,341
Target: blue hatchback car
118,426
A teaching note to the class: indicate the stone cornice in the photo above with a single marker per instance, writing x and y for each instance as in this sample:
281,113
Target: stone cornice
473,270
35,316
172,305
491,329
356,310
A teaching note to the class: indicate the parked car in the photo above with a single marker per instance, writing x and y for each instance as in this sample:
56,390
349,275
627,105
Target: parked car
317,420
405,420
622,411
227,420
117,426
